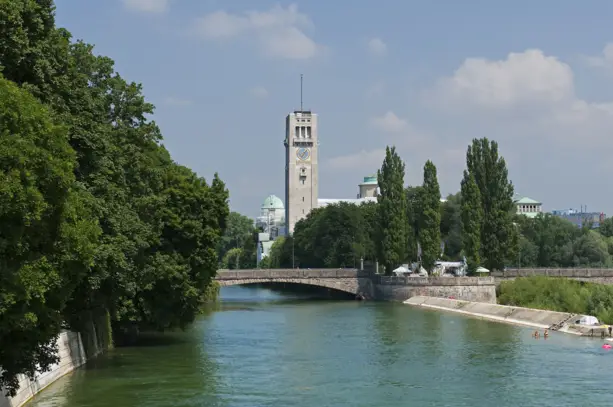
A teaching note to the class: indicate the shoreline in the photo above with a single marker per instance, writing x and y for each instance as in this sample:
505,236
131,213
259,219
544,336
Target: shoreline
527,317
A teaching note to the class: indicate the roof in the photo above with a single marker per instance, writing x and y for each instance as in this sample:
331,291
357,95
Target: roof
371,180
526,200
273,202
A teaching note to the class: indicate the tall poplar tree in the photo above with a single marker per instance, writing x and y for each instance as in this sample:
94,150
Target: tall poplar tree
430,218
472,221
498,235
393,223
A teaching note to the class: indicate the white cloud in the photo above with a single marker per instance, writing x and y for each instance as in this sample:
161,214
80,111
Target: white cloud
376,46
605,60
147,6
369,160
259,92
279,32
528,77
173,101
389,122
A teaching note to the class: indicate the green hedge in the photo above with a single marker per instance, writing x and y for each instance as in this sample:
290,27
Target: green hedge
559,294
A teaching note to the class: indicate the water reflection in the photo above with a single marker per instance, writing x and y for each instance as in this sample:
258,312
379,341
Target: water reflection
168,369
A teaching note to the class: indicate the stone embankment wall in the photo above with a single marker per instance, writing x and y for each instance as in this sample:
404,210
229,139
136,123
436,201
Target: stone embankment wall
72,355
598,276
502,313
479,289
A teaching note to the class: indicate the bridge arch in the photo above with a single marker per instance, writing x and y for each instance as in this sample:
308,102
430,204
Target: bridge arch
349,281
342,286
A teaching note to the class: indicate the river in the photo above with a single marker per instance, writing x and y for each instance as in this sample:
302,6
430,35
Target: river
269,349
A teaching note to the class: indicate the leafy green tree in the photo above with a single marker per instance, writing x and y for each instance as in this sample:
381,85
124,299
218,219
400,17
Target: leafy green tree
138,234
606,227
238,228
451,226
414,209
47,237
430,218
393,222
332,236
498,234
472,221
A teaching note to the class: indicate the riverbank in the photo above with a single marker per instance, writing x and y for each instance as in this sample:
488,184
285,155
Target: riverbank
536,318
72,355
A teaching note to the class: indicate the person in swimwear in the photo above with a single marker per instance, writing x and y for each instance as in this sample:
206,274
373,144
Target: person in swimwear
536,334
546,333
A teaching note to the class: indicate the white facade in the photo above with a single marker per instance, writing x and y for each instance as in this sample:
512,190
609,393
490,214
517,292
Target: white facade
272,217
301,166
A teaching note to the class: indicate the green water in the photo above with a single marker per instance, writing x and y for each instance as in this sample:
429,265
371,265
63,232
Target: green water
270,350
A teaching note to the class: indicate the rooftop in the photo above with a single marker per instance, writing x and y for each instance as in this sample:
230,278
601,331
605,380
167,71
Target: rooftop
273,202
527,201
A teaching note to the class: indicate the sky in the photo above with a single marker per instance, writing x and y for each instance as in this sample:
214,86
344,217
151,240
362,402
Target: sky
425,76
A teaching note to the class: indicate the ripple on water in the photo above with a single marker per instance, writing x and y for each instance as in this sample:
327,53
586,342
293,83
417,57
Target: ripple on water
314,354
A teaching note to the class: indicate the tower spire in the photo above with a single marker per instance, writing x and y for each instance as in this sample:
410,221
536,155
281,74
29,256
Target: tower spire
301,92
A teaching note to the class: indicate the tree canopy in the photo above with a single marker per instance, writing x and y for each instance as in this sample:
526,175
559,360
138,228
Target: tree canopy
96,216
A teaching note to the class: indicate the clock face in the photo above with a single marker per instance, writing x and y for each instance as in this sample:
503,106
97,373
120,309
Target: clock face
303,154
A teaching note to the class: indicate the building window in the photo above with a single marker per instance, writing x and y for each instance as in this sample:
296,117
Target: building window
302,199
303,211
302,180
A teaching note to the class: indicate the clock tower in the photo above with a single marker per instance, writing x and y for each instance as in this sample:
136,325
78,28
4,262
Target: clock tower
301,165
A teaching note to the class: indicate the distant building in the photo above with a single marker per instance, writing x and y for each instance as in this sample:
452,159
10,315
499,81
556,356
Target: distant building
368,191
528,206
272,216
579,217
272,224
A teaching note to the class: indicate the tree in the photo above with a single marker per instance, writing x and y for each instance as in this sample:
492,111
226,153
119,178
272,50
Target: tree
498,234
114,226
451,226
414,202
393,222
472,221
333,236
430,218
46,234
237,229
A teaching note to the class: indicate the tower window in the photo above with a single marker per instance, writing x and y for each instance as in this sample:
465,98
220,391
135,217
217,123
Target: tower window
302,199
303,211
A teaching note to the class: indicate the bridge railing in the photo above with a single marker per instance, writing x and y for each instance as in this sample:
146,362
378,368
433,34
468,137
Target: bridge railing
554,272
290,273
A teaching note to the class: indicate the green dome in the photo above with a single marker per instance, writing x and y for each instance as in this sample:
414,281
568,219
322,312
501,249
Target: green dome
273,202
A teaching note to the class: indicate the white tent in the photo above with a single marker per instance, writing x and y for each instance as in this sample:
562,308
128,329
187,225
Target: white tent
401,270
482,270
587,320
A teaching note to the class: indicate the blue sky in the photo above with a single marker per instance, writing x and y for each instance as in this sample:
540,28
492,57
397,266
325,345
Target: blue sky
426,76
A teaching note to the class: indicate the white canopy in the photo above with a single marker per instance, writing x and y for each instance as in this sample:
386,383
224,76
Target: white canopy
482,270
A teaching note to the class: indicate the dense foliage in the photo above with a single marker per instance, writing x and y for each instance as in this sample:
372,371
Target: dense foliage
559,294
430,218
498,234
237,248
392,233
472,221
96,217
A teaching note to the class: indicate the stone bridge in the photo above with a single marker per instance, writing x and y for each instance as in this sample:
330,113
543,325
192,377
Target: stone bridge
368,285
350,281
598,276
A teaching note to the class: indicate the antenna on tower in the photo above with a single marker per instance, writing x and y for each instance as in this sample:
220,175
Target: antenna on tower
301,92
